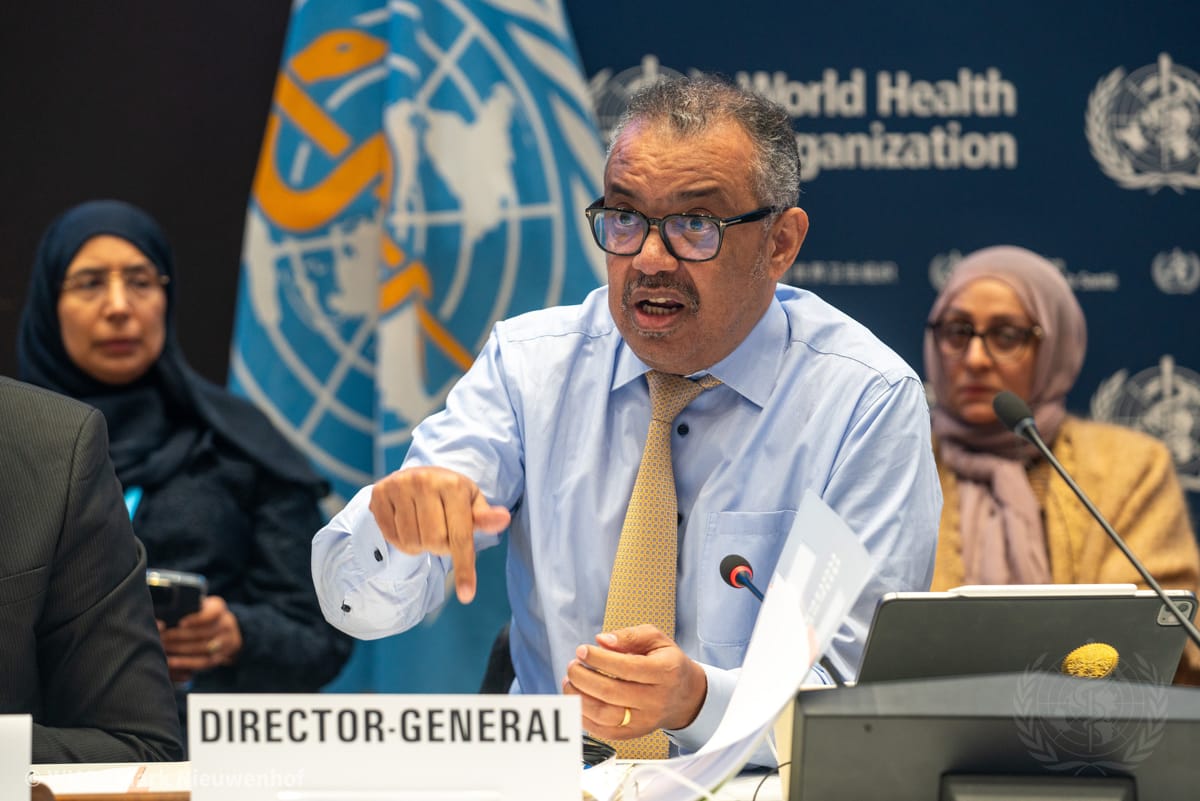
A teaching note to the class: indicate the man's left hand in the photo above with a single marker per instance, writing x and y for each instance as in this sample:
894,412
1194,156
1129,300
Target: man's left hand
641,670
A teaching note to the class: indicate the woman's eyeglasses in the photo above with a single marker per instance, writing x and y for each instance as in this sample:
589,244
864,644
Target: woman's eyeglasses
92,283
1004,342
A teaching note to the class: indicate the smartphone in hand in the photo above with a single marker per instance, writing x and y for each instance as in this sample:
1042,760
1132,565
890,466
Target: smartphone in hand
175,593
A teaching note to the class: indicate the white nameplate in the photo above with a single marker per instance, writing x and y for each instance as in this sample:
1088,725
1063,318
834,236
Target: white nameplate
16,747
332,747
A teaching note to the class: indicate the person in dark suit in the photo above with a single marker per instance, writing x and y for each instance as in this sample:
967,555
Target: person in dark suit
80,653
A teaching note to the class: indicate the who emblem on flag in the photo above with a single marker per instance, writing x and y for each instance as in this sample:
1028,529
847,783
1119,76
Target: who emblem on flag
423,174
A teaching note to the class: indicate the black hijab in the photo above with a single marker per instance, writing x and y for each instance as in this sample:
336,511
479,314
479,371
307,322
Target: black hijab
155,421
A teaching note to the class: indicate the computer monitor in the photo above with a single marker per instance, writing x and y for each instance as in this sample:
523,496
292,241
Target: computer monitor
999,738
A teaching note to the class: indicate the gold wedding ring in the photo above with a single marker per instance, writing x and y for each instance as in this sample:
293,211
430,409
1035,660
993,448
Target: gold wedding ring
213,646
625,720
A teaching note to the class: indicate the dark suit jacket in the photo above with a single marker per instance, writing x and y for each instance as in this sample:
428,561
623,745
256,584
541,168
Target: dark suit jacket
78,646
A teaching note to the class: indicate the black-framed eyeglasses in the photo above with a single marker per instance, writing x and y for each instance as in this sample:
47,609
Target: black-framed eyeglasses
1004,342
687,237
92,283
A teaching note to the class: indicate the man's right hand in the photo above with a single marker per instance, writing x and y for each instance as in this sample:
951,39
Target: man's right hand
435,510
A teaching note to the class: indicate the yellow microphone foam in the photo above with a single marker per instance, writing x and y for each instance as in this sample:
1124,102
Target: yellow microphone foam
1094,660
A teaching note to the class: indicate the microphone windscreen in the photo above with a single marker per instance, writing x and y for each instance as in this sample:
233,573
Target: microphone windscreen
1011,409
1093,660
730,565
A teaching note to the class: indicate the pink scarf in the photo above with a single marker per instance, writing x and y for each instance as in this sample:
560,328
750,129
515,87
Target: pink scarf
1004,541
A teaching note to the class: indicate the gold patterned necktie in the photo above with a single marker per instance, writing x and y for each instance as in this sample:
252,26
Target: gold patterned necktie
642,587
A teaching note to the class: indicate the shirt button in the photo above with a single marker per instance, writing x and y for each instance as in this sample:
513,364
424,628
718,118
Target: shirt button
345,607
682,429
378,556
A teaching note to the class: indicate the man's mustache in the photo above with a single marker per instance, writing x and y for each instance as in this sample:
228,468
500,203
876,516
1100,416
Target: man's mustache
660,281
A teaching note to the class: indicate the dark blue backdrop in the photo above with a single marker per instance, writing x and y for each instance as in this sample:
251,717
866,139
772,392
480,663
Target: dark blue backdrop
1081,141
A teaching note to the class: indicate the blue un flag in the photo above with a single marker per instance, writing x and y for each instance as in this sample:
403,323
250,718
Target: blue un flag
423,174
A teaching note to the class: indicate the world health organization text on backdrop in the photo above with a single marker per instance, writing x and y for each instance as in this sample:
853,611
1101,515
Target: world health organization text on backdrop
946,146
897,94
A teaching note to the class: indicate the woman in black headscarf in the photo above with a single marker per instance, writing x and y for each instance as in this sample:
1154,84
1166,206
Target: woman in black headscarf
211,486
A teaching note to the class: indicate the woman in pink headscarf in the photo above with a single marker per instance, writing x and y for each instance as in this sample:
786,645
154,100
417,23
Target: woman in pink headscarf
1007,320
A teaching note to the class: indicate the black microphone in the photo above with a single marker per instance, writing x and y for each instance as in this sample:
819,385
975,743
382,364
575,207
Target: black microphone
736,571
738,574
1015,414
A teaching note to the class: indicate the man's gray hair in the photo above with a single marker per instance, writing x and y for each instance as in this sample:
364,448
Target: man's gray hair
691,105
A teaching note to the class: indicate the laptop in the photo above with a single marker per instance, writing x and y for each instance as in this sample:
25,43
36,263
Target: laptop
1017,628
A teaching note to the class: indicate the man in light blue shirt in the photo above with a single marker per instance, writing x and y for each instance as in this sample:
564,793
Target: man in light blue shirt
544,434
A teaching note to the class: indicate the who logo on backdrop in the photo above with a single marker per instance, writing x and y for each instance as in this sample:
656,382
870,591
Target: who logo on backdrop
611,92
1176,272
1163,401
423,175
1144,128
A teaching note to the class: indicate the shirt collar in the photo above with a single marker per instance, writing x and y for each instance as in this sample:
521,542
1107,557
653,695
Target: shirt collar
750,370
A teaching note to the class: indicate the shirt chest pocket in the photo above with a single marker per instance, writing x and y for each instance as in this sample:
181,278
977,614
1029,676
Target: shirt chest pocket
725,618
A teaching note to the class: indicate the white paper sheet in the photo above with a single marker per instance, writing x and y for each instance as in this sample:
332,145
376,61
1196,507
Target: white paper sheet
820,574
66,781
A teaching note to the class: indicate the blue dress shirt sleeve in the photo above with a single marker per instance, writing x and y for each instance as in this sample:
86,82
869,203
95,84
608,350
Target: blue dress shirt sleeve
367,588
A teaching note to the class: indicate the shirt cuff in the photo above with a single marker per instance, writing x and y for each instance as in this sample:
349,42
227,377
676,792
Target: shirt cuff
818,677
367,588
720,688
